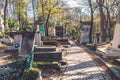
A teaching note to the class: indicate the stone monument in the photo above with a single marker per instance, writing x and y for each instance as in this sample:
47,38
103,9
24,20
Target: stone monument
59,31
114,50
97,38
116,39
85,32
38,36
1,15
51,31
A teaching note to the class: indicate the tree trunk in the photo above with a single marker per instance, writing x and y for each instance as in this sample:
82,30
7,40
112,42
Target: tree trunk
109,25
102,19
5,15
46,24
33,10
91,28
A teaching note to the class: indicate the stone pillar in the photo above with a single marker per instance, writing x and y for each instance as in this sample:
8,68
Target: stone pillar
100,39
2,15
116,38
38,36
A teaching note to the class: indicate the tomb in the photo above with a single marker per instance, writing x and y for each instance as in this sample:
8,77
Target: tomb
59,31
63,42
47,53
85,32
97,38
51,31
114,50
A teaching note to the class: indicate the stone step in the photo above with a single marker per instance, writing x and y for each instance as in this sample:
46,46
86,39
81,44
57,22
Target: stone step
52,43
45,49
48,56
56,66
63,40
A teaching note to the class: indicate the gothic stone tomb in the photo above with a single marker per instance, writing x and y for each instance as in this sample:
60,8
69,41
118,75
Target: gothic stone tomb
85,31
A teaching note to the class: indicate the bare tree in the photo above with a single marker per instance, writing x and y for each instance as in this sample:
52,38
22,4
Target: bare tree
6,14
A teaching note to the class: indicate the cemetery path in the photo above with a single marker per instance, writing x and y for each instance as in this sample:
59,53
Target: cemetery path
81,66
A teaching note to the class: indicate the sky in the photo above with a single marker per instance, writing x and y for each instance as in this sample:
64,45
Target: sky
72,3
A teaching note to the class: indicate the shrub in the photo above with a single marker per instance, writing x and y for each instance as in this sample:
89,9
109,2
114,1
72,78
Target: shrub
31,74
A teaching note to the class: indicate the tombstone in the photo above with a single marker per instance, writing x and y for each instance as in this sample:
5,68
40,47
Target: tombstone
27,44
38,36
51,31
17,39
116,38
97,38
42,30
113,52
1,15
85,32
59,31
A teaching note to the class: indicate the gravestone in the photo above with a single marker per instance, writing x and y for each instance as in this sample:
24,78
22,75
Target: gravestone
51,31
59,31
85,32
97,38
38,36
1,15
116,38
27,44
113,52
18,39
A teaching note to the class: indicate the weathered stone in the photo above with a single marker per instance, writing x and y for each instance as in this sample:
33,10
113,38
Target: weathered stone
59,31
116,39
44,49
49,43
85,32
27,44
38,37
48,56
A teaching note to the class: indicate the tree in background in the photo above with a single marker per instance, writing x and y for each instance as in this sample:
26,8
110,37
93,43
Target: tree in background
20,11
48,9
6,15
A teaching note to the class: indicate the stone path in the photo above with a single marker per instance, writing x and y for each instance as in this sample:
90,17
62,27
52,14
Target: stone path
81,66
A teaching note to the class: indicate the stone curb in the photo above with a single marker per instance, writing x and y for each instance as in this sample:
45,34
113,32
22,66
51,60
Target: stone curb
114,71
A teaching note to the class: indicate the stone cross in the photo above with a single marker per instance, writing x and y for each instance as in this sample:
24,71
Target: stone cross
116,38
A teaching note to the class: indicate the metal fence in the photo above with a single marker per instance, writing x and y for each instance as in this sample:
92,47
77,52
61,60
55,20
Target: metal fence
13,70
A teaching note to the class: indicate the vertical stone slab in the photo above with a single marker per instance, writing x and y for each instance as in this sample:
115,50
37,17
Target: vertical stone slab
85,32
18,38
27,44
51,31
38,36
116,38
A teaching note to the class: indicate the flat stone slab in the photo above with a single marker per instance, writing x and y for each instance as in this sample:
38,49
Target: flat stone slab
51,43
48,56
109,52
44,49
